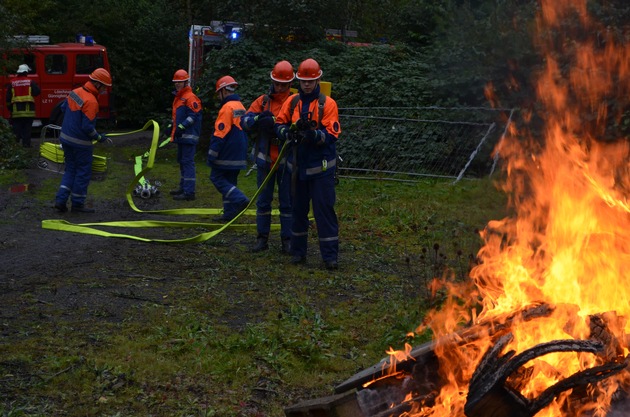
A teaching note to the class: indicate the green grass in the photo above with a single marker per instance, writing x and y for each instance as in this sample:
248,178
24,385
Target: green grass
252,330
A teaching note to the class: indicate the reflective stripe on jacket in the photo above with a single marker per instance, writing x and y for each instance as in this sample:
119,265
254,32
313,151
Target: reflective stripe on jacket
21,96
228,144
79,122
314,159
187,112
266,146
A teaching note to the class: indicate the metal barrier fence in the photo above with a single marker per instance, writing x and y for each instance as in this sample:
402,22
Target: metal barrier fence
404,143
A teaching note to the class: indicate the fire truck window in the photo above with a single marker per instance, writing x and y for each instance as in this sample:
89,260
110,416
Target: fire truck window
56,64
86,63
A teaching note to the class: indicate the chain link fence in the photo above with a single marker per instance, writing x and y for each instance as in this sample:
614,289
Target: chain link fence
404,143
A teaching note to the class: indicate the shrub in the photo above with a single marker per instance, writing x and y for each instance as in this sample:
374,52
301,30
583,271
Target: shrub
12,154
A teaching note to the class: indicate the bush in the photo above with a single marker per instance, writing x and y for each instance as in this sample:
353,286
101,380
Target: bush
378,75
12,154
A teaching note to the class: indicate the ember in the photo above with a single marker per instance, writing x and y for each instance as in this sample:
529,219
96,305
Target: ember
551,338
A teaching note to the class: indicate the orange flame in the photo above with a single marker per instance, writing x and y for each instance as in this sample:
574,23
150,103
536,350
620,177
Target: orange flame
568,242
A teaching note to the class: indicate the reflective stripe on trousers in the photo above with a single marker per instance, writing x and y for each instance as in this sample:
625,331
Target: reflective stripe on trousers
321,192
77,175
282,178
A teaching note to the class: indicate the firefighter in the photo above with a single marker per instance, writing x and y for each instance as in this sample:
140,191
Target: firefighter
187,117
260,120
310,121
227,154
21,104
78,132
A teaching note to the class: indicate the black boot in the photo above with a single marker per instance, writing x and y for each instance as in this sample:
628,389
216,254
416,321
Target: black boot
286,245
261,243
331,265
82,209
176,192
184,197
61,207
298,259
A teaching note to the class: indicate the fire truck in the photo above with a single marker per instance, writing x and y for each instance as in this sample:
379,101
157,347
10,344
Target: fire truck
57,69
202,38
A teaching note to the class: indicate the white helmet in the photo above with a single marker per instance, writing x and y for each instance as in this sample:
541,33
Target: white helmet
23,68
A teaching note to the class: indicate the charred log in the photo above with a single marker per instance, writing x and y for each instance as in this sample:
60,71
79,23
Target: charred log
490,396
423,362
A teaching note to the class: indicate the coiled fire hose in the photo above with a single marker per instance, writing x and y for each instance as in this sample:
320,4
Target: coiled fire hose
87,228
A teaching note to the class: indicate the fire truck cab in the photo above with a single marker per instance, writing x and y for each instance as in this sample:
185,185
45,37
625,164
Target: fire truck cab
57,69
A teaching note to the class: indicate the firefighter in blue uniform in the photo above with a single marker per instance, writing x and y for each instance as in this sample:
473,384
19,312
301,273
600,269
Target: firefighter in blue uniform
78,132
227,154
310,121
260,120
187,116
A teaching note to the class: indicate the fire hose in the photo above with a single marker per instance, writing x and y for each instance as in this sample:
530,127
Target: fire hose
88,228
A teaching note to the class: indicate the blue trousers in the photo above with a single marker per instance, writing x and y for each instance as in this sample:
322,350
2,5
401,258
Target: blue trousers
186,160
321,191
226,181
77,175
282,178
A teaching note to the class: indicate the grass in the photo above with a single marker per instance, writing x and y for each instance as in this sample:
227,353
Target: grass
251,335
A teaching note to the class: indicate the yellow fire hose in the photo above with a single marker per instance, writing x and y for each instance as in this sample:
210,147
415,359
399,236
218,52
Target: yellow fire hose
85,228
54,153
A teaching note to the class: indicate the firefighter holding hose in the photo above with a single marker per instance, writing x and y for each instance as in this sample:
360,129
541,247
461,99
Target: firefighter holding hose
310,120
259,121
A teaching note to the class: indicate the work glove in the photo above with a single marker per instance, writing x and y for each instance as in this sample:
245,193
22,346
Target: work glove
283,132
312,136
103,138
179,130
265,122
305,124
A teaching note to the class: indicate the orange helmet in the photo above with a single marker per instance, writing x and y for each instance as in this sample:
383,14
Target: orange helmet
283,72
180,75
226,81
102,76
309,70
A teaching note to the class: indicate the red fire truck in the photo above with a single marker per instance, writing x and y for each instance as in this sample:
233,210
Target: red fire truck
57,69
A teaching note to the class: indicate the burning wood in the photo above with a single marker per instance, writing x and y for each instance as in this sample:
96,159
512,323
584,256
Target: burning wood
490,396
494,389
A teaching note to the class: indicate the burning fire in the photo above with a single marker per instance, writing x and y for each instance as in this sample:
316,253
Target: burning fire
568,243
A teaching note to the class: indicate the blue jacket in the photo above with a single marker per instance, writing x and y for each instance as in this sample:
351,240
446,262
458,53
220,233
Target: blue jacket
186,112
79,120
319,159
267,146
228,144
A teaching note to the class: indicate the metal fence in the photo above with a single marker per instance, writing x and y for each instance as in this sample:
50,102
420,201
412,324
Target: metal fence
404,143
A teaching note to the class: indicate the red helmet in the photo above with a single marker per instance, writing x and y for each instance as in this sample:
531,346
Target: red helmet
309,70
283,72
102,76
226,81
180,75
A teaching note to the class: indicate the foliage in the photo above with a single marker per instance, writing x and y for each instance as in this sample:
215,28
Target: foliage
360,77
141,71
443,52
490,42
12,154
